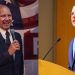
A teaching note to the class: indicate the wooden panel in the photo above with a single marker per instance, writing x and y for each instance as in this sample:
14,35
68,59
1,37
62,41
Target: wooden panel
64,30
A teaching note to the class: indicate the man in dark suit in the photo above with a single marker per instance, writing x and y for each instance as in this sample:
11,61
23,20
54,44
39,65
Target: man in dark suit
11,56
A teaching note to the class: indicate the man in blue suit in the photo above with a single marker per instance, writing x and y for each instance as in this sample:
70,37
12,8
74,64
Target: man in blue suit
11,56
71,52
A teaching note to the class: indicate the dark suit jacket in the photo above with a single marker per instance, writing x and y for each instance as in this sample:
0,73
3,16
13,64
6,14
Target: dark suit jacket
8,66
70,56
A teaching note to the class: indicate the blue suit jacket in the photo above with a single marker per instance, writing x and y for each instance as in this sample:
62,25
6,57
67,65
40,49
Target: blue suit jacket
6,66
70,55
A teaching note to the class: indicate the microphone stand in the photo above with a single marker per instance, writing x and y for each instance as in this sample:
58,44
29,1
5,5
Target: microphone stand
51,47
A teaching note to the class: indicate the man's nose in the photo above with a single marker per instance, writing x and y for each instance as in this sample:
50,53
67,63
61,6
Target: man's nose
7,18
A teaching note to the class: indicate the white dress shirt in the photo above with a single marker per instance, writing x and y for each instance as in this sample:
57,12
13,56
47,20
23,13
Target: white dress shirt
73,47
4,36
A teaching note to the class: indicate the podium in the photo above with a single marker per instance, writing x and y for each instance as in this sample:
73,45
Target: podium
48,68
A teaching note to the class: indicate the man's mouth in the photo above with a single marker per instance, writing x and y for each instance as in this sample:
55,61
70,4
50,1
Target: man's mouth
6,22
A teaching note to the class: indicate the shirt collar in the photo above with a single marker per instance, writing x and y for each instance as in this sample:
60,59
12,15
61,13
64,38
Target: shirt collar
3,32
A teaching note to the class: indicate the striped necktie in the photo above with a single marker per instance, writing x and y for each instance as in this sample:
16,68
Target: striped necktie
7,39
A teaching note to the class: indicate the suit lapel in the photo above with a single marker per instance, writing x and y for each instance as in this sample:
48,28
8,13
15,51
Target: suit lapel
2,40
2,43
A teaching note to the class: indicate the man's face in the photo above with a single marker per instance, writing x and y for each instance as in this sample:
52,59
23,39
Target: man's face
73,16
5,18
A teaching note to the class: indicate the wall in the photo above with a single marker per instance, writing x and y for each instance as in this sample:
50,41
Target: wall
46,28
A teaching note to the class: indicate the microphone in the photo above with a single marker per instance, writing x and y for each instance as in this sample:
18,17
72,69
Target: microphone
56,41
13,33
12,30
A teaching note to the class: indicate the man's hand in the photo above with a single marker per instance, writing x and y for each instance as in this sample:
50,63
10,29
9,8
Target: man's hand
13,47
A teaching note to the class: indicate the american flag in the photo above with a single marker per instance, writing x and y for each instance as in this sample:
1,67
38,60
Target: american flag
25,16
25,12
